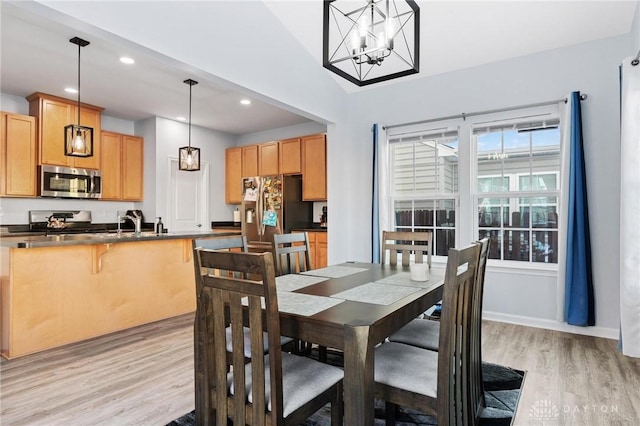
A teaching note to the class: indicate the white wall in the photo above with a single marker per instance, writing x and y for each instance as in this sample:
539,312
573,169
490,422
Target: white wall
303,129
591,68
635,31
171,135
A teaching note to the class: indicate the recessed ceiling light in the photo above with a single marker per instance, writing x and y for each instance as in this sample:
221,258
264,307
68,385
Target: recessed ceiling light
245,102
181,119
70,90
126,60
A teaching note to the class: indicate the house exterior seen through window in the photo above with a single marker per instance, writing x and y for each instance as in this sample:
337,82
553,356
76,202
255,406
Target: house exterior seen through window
518,189
510,193
424,186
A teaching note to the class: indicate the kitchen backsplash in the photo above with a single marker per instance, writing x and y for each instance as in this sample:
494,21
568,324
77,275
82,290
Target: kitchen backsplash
317,210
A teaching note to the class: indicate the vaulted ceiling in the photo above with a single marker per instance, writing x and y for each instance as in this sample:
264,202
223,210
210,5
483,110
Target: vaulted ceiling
36,55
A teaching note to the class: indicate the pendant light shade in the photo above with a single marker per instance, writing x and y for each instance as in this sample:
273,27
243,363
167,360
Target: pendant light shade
78,139
188,156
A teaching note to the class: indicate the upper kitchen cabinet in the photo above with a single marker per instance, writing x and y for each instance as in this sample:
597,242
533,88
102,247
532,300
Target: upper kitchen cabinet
122,167
268,158
250,160
290,155
233,176
53,115
314,168
18,155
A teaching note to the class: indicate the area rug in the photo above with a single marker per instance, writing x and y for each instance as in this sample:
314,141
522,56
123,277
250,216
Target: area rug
502,392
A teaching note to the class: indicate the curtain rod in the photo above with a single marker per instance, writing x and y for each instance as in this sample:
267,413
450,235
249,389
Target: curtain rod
491,111
636,61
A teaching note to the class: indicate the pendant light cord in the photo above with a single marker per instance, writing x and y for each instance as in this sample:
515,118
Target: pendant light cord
79,49
190,89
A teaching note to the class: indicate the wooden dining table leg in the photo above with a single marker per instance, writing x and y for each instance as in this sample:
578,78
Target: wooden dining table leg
358,375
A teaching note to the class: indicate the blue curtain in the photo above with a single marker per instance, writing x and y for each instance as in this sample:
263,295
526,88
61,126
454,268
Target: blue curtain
579,304
375,211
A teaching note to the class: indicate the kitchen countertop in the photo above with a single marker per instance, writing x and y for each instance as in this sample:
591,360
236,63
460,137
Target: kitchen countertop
33,241
310,229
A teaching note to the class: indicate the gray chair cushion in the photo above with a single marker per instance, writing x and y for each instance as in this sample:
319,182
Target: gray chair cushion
247,341
422,333
407,367
302,380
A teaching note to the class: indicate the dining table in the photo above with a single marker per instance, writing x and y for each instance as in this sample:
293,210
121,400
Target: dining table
352,307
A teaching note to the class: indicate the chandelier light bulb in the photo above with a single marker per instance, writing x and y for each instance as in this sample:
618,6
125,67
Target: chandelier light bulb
189,159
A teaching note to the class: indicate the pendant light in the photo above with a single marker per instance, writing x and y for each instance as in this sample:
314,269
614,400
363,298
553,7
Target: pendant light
78,140
189,157
371,41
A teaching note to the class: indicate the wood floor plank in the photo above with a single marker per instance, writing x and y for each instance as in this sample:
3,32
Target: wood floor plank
144,376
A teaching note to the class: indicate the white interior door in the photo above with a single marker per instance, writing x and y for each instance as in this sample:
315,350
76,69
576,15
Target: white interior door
188,199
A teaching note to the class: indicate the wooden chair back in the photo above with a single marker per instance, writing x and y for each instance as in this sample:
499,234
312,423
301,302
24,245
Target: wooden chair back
223,243
420,243
236,299
292,253
477,386
456,403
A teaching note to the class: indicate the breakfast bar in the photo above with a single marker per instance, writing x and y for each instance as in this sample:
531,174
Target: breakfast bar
61,289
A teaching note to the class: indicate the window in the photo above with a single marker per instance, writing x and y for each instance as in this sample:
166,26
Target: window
424,185
517,190
495,175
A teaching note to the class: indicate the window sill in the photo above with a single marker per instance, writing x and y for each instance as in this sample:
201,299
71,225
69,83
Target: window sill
509,267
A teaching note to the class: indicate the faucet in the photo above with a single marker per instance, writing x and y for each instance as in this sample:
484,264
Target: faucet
137,220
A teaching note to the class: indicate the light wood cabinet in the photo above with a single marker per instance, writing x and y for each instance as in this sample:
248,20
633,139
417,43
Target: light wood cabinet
318,248
53,115
306,155
314,168
290,155
122,167
250,160
321,249
18,174
268,159
233,176
53,296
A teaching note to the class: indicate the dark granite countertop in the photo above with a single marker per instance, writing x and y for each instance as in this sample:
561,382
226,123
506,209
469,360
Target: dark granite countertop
33,241
310,229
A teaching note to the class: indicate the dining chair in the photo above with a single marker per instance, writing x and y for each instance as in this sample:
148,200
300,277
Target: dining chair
274,389
425,333
440,383
292,253
406,242
236,243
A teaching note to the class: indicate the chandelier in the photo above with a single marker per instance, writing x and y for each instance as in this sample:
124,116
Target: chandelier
371,41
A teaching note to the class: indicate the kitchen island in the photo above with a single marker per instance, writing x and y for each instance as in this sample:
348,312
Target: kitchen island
61,289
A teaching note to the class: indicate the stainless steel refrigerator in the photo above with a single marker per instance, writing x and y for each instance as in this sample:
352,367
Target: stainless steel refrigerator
273,205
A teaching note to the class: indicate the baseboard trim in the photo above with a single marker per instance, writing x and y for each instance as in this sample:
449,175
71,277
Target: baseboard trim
607,333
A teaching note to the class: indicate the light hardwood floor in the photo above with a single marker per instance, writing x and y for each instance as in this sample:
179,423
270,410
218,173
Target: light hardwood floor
144,376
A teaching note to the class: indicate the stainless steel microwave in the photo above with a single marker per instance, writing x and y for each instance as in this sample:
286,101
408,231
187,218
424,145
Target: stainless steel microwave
67,182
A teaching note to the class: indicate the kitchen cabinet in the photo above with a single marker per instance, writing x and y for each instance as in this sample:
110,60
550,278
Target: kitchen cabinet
233,176
268,159
318,248
53,296
314,168
290,156
250,160
18,174
53,114
122,166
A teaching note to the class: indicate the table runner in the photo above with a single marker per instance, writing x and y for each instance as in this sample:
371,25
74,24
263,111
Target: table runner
378,294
